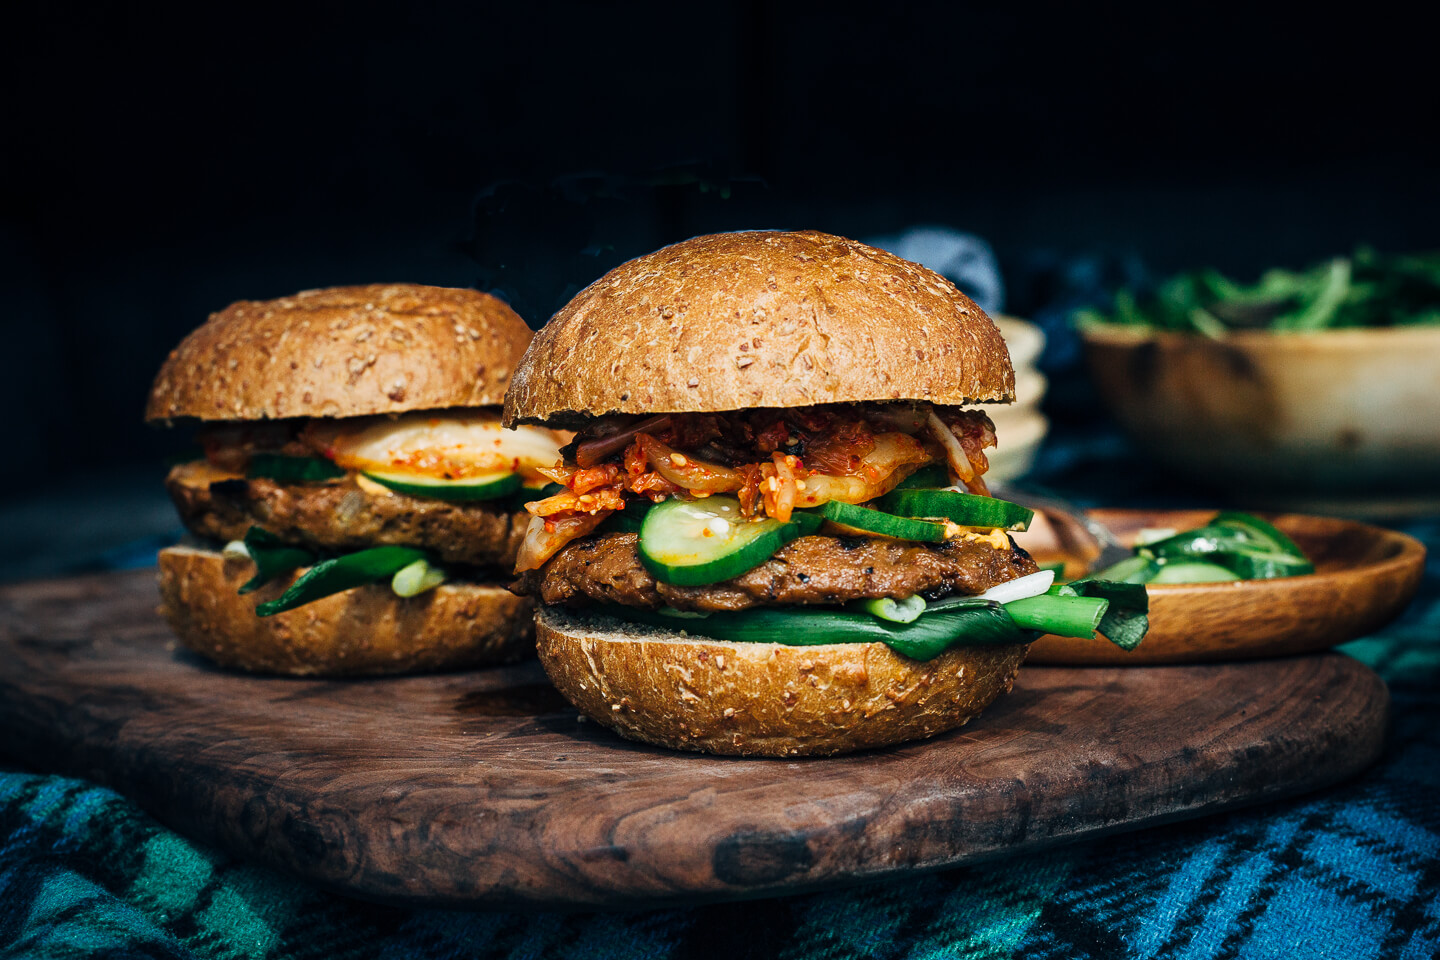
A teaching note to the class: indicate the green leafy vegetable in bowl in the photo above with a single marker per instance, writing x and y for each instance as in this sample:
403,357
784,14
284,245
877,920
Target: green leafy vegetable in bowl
1233,546
1366,290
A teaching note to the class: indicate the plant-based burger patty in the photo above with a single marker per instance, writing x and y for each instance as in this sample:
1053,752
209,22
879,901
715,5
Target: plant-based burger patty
343,514
810,570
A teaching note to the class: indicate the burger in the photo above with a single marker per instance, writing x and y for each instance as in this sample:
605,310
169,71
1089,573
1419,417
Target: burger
357,506
774,535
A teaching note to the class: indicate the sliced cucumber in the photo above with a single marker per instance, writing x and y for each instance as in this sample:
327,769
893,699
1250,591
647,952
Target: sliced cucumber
1129,570
283,468
966,509
932,475
1192,571
629,519
1264,566
486,487
1260,530
866,520
691,543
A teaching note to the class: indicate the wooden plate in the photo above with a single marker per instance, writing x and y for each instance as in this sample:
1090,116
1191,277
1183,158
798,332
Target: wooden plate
1364,577
485,789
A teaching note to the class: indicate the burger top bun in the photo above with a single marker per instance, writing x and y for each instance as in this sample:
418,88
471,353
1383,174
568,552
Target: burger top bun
759,319
343,352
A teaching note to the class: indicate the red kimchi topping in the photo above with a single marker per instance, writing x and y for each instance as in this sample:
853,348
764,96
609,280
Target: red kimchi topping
773,461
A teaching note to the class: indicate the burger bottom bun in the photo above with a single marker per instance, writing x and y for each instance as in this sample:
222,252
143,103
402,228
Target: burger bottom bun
762,699
363,631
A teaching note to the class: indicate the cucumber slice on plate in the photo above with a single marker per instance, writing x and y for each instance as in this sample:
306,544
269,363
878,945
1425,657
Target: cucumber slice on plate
1192,571
865,520
484,487
966,509
691,543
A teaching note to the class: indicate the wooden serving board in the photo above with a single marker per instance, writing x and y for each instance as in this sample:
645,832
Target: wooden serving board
485,789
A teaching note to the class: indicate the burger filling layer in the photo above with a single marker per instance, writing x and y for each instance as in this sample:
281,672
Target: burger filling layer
437,495
809,525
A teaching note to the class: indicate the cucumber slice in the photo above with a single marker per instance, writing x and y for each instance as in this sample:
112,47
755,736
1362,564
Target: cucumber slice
1192,571
1260,530
932,475
629,519
283,468
966,509
691,543
486,487
866,520
1130,570
1264,566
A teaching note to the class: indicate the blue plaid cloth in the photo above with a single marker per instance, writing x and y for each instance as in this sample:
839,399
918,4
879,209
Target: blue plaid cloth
1351,873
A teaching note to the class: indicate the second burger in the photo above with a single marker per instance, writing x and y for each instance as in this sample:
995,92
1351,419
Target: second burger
357,499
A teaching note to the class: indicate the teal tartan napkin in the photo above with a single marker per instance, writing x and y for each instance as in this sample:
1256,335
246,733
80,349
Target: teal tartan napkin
1352,873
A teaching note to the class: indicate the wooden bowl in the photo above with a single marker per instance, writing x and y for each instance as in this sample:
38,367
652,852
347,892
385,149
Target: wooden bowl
1364,577
1329,421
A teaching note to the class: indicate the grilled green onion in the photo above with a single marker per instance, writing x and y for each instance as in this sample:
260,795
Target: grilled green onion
415,579
342,573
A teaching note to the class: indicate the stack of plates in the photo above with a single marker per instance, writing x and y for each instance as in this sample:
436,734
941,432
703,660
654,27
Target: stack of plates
1020,426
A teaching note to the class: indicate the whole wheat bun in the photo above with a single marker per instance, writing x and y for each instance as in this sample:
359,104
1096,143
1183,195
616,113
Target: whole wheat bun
762,699
735,321
362,631
343,352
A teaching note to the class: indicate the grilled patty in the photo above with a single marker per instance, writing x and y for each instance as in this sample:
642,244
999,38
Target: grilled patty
340,515
816,570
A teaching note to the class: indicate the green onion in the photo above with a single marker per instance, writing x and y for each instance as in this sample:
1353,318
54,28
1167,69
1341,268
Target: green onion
894,611
1062,616
1117,609
235,550
342,573
972,623
415,579
1126,620
273,557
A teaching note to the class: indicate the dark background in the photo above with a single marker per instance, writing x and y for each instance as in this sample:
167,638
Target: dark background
159,165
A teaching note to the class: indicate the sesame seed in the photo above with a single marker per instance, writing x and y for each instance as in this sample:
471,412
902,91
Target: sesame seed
678,459
743,362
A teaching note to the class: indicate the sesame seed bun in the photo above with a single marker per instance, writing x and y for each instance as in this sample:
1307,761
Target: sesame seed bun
760,319
762,699
363,631
343,352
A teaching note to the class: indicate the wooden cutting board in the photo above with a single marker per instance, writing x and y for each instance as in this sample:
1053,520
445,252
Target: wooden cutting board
485,789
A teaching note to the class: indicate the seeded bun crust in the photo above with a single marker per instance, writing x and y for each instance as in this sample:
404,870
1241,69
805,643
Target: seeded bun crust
760,319
762,699
343,352
363,631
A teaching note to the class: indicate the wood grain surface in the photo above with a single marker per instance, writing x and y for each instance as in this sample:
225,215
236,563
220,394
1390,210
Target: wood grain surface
484,789
1364,577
